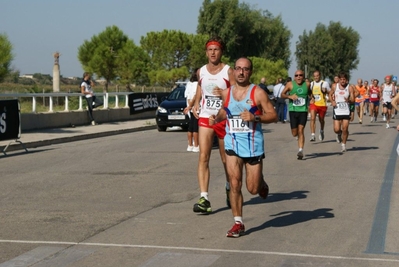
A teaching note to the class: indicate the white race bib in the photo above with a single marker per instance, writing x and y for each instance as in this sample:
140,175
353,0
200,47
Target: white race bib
342,108
374,95
237,125
212,103
299,102
317,97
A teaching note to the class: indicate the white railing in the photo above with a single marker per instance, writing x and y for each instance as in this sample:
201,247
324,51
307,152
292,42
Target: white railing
51,96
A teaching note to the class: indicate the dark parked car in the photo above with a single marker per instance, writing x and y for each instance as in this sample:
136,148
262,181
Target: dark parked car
170,111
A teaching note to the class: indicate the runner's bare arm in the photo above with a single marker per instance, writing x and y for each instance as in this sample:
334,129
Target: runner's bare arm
331,95
381,92
310,93
221,115
395,102
287,89
352,94
269,114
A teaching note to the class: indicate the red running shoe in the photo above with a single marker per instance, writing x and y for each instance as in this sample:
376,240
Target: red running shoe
237,230
264,189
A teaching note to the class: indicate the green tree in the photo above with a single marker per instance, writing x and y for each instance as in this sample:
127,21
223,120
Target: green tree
167,49
271,70
328,49
132,64
246,31
169,53
99,55
6,56
197,56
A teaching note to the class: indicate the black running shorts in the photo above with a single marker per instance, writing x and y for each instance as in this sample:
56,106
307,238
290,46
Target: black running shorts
298,118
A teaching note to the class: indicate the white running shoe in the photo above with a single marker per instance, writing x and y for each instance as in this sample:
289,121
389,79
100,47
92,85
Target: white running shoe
384,118
312,138
388,126
371,119
343,148
321,135
190,148
196,149
339,138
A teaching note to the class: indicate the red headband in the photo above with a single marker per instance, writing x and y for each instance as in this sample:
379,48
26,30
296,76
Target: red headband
214,43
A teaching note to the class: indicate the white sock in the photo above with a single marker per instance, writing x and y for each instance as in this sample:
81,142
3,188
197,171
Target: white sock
205,195
313,134
238,219
300,149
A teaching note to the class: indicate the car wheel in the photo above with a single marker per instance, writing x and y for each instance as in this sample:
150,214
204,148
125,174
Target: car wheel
161,128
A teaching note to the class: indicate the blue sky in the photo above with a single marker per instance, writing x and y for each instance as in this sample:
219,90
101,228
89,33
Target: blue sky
39,28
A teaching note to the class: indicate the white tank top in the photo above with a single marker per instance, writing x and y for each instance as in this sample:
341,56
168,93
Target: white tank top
210,104
341,96
387,93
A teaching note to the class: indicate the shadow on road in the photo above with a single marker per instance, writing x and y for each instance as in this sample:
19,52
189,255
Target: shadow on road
272,197
320,155
361,148
22,152
288,218
361,133
267,131
276,197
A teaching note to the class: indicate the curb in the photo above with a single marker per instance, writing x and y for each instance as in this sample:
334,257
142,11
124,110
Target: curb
35,144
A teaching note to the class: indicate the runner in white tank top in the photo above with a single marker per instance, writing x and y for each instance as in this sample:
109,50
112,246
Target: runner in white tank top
387,93
213,78
342,94
211,103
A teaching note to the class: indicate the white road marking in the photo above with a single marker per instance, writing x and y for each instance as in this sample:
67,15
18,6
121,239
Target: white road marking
273,253
32,257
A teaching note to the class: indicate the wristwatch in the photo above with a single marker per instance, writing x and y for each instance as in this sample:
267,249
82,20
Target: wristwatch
257,118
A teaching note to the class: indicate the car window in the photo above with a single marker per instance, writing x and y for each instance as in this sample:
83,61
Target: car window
177,94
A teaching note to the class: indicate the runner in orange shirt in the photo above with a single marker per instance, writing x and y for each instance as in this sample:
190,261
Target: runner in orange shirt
360,99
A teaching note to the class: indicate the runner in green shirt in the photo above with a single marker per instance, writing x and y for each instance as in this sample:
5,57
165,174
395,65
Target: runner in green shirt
299,97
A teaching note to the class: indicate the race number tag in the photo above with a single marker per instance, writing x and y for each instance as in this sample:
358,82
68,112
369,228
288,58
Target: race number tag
342,108
374,95
237,125
299,102
213,103
317,97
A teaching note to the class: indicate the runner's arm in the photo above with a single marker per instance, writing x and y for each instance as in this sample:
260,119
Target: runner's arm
221,115
352,93
394,102
331,95
287,89
269,114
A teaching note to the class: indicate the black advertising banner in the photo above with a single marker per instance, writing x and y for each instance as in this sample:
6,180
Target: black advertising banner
139,102
10,120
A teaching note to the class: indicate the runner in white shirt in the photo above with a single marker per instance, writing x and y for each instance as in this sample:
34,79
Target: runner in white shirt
388,91
342,94
192,132
213,77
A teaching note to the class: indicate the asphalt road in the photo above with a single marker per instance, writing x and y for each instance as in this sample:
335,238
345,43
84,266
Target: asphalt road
126,200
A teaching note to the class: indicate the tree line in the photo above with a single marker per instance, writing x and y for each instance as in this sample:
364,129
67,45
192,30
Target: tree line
164,57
